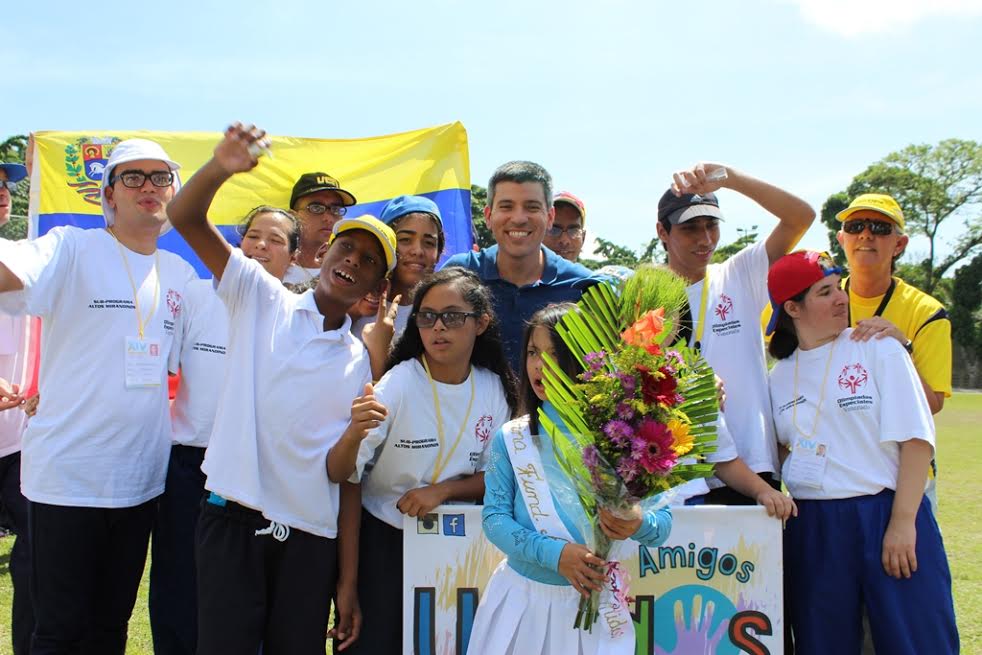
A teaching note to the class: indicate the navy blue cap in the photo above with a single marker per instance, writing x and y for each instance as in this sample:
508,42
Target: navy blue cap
15,172
402,205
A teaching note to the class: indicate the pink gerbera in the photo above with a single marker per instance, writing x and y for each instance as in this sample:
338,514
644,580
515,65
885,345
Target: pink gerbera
657,455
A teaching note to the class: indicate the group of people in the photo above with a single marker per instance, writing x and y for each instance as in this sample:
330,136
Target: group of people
333,381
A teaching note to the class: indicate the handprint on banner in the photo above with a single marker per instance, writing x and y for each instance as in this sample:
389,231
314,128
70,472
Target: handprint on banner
705,631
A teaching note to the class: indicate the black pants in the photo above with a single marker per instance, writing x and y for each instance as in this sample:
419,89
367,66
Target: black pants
379,588
727,496
173,584
13,507
258,589
86,566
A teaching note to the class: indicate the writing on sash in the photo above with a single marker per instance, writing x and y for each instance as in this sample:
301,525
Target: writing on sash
529,477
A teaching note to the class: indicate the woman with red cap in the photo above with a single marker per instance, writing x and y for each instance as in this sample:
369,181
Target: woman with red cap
857,437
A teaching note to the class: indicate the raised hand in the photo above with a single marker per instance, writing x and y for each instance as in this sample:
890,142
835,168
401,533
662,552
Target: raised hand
378,335
239,151
366,413
705,177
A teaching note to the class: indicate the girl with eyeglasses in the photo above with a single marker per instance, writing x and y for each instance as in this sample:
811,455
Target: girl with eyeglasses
857,439
447,389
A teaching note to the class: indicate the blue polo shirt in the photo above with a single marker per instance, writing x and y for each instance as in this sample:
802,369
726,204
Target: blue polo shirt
562,281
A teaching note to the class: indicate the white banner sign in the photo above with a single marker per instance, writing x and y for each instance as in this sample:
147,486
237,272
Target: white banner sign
715,586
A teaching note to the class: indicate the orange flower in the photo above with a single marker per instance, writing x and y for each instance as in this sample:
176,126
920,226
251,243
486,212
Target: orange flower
645,329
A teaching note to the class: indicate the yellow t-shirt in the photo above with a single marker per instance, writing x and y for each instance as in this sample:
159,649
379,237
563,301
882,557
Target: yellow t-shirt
924,321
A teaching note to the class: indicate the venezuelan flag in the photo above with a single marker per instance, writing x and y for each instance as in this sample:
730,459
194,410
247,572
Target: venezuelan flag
431,162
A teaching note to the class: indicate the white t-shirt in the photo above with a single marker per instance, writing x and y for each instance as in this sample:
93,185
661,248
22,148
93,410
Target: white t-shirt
873,402
399,455
200,345
401,321
297,274
725,452
286,400
13,368
94,442
733,345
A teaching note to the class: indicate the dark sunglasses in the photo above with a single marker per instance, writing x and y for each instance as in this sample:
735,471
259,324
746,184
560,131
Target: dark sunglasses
450,320
876,228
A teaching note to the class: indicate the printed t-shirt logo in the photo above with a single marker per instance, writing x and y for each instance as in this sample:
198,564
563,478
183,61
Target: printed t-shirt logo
173,303
724,307
482,430
853,377
85,165
726,323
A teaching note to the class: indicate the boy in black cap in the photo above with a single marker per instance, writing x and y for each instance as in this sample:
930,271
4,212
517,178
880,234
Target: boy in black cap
726,299
320,202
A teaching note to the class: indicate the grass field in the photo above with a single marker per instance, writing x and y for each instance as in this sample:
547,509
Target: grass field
960,461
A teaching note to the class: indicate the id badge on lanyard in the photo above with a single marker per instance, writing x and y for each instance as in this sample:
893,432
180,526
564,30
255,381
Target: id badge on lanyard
143,363
808,461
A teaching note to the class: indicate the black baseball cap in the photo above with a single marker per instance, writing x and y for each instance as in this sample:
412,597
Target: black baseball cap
679,209
314,182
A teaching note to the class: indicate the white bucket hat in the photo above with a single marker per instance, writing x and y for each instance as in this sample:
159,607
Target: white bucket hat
134,150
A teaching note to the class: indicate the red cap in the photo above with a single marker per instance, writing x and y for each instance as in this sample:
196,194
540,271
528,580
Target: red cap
570,199
794,273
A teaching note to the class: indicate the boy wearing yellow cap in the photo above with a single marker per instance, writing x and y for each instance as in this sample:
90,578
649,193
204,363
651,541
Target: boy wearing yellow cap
268,536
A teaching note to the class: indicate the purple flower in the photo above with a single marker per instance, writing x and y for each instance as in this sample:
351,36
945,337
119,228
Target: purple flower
625,411
629,383
628,469
591,457
595,360
619,432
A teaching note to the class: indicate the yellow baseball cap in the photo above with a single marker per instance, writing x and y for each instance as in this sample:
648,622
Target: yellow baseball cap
878,202
382,232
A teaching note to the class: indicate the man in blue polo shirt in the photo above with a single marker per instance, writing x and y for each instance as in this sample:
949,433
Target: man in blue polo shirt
523,275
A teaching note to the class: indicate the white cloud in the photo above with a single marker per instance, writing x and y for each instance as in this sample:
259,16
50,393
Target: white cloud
852,18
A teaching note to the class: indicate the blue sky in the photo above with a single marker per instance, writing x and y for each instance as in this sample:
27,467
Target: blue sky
610,98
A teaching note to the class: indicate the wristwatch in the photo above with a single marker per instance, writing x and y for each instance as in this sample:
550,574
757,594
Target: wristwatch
909,347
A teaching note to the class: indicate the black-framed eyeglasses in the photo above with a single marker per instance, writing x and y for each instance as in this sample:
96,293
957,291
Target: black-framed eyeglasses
318,208
574,231
450,320
876,228
136,179
7,184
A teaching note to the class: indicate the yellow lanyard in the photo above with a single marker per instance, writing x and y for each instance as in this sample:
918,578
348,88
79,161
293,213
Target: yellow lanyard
821,395
141,322
440,462
702,311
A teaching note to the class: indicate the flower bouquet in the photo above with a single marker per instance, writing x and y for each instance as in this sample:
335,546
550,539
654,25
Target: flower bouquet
642,416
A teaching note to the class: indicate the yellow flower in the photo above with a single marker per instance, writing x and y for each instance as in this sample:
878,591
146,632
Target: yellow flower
683,440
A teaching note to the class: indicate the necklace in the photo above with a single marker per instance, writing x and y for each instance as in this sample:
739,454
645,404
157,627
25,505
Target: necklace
441,462
821,394
141,321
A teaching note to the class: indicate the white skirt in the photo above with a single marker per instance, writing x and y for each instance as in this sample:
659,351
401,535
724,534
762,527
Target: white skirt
519,616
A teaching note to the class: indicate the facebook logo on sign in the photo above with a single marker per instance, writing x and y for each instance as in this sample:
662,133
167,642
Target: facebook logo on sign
453,525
